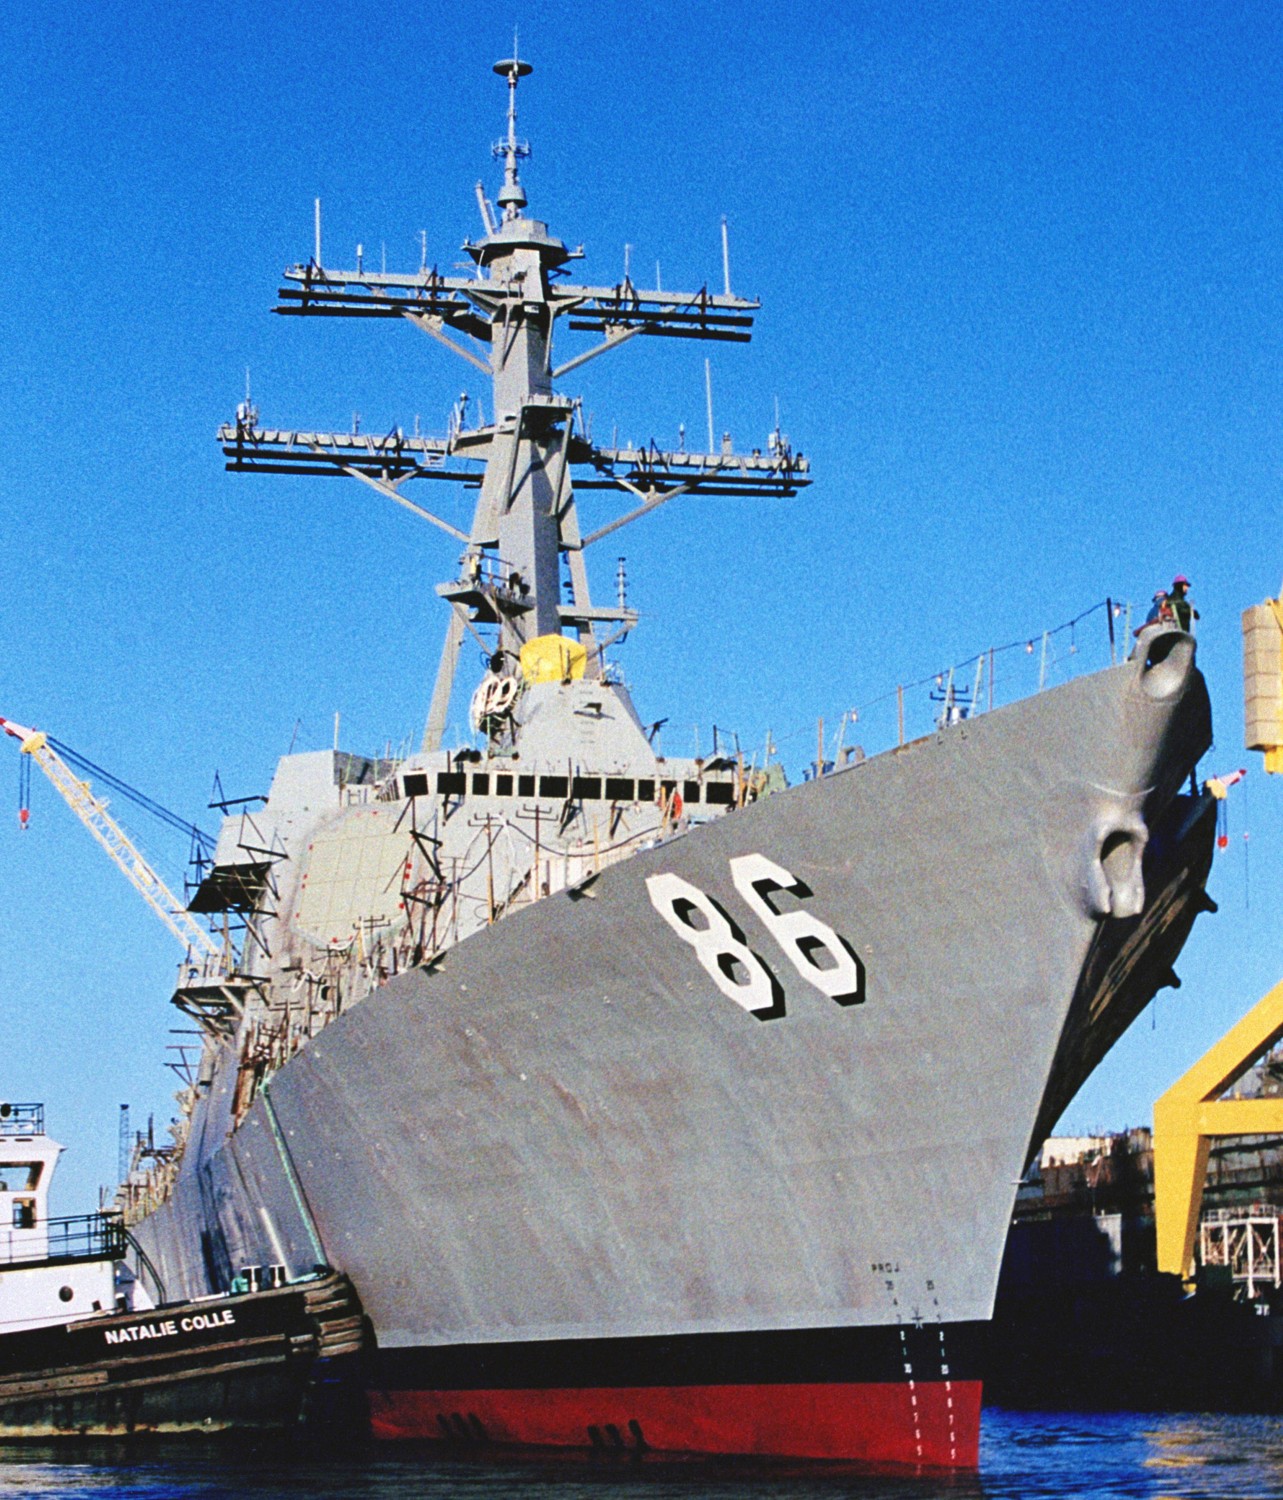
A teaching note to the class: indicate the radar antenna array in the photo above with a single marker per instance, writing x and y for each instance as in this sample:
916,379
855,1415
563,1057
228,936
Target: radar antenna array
528,461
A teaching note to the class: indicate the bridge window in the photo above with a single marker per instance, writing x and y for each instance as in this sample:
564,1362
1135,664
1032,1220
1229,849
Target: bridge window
19,1176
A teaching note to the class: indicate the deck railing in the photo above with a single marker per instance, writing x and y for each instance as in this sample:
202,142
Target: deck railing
82,1237
22,1119
1100,636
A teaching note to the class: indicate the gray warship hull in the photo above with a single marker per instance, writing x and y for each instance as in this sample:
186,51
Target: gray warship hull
589,1197
648,1104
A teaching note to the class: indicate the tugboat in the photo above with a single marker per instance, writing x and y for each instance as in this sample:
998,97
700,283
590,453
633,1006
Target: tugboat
90,1348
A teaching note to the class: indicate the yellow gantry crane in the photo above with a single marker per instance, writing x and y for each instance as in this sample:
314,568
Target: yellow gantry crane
1193,1112
92,812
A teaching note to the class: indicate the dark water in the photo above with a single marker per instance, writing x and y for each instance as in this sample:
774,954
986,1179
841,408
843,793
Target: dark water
1023,1454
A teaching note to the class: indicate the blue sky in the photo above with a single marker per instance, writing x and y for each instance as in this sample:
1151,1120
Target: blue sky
1020,268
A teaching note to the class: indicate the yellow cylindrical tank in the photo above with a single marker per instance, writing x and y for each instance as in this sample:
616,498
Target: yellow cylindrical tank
1263,681
553,658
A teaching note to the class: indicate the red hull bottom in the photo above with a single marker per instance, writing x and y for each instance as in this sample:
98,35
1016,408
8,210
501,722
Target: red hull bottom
931,1423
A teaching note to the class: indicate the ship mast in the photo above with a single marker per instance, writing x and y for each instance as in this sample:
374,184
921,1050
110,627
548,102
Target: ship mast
525,520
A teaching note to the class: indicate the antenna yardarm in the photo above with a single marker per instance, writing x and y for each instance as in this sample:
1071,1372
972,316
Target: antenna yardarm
528,461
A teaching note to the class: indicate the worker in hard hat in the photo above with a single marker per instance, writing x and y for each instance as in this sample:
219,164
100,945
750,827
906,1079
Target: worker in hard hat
1182,609
1160,611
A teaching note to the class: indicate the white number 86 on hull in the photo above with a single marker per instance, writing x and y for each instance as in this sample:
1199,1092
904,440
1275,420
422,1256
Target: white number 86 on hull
821,956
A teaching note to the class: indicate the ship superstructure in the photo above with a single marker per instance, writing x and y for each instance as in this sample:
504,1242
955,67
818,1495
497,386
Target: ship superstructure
649,1104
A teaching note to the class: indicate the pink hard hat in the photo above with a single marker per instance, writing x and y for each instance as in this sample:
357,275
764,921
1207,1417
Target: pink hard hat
1180,578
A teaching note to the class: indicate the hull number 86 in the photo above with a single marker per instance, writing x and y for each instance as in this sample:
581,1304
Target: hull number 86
777,899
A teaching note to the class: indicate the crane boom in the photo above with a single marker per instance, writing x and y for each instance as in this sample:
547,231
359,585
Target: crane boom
92,812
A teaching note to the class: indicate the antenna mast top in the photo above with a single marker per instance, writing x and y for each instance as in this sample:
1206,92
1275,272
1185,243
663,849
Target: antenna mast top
512,196
528,463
